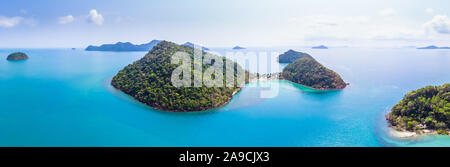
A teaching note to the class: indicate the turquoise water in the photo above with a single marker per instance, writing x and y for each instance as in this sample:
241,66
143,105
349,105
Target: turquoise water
61,97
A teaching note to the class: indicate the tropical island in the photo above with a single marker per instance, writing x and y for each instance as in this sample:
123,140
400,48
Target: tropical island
434,47
238,47
148,80
319,47
308,72
190,44
423,111
291,55
123,47
17,56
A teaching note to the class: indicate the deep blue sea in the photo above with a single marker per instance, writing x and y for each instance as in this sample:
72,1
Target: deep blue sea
62,97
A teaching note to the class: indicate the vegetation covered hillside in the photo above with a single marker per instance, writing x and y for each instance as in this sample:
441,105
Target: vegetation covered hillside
426,108
291,55
149,81
307,71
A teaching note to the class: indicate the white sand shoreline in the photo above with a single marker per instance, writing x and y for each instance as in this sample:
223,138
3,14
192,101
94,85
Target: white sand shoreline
403,134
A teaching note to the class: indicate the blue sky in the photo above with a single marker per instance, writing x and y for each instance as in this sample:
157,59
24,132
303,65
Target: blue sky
78,23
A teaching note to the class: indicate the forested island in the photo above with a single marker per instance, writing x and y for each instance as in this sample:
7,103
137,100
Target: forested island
434,47
423,110
291,55
238,48
307,71
148,80
123,47
17,56
319,47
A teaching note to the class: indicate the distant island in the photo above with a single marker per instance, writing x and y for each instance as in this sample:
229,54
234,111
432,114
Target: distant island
192,45
434,47
426,110
238,47
319,47
307,71
17,56
123,47
148,80
291,55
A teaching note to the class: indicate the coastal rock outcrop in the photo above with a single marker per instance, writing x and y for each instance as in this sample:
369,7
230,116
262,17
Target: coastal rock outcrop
17,56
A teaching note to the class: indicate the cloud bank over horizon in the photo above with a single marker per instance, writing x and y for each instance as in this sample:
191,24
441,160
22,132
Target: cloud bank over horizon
226,23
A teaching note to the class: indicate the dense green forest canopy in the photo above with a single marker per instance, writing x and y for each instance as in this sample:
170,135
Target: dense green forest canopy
307,71
426,108
149,81
291,55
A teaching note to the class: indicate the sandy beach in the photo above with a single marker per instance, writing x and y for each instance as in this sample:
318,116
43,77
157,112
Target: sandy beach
408,134
402,134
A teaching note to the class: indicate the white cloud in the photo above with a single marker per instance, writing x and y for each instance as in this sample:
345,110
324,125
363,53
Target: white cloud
8,22
95,17
439,24
387,12
431,30
429,10
66,19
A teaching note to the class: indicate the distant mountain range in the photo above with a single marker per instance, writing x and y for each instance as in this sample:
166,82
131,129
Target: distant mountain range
238,47
123,47
434,47
192,45
130,47
319,47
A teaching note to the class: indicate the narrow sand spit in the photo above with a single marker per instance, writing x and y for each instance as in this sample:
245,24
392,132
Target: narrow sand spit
402,134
